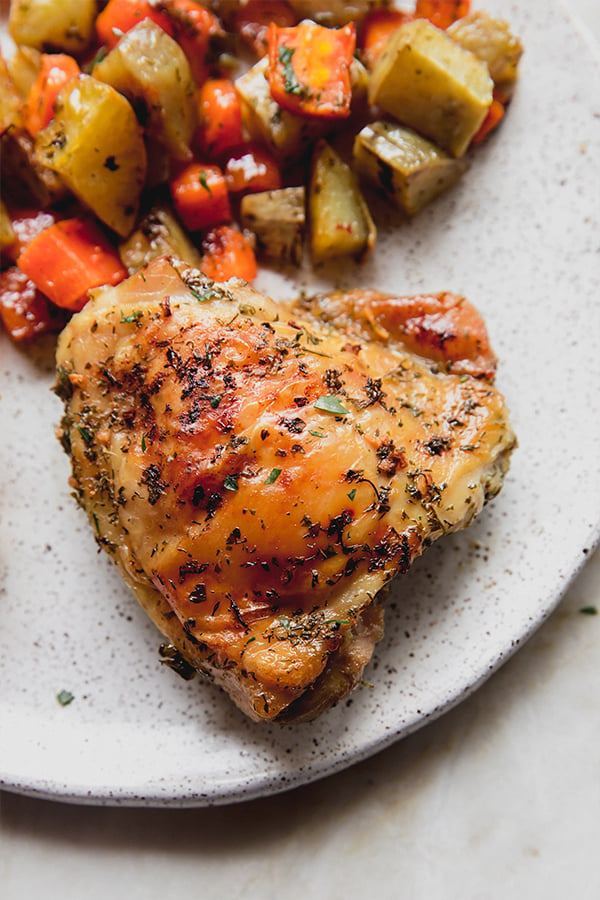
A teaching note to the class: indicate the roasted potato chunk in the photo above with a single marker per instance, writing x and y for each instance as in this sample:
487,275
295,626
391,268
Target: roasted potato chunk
340,223
427,81
277,219
159,233
492,41
407,168
95,144
52,24
151,69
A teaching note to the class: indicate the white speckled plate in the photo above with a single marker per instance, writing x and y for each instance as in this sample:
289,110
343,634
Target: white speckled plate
520,237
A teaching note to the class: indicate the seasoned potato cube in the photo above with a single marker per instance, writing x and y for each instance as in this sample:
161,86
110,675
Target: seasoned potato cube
340,223
148,66
492,42
409,169
158,234
95,144
427,81
52,24
277,218
286,134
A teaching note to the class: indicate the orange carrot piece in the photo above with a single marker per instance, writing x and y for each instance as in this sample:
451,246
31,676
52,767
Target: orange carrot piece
24,311
27,224
120,16
377,28
494,116
228,254
251,169
55,70
200,196
220,113
193,28
309,68
442,13
253,18
70,258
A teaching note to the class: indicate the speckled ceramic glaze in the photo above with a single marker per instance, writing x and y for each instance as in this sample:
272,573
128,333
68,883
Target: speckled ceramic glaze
519,236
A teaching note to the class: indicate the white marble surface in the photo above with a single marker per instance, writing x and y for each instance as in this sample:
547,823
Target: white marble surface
498,799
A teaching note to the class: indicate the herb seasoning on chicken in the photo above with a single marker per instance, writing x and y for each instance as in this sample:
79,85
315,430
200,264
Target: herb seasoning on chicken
260,471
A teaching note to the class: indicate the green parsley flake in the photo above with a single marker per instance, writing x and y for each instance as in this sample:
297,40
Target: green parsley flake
86,434
331,404
132,317
65,697
291,84
273,476
589,610
204,182
352,494
230,483
318,434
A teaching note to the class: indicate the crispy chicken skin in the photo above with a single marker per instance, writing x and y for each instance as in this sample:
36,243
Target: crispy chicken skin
260,471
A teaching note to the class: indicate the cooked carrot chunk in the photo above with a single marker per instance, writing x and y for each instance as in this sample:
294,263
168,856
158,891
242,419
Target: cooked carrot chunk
309,68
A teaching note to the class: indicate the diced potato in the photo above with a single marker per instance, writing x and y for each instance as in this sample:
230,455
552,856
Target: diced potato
24,67
277,218
158,234
492,41
427,81
52,24
7,234
287,135
407,168
148,66
340,223
95,144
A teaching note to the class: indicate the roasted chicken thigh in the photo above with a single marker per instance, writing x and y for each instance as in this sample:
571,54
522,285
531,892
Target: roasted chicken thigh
259,471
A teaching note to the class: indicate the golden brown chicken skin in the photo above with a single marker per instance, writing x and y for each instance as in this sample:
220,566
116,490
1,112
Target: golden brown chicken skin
260,471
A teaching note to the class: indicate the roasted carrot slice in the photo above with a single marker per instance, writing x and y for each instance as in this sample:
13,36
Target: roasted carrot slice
27,224
309,68
251,169
442,13
120,16
200,196
70,258
194,26
494,116
220,113
228,254
55,70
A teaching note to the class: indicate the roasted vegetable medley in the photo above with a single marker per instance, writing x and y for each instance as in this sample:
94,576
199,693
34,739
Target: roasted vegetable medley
227,131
